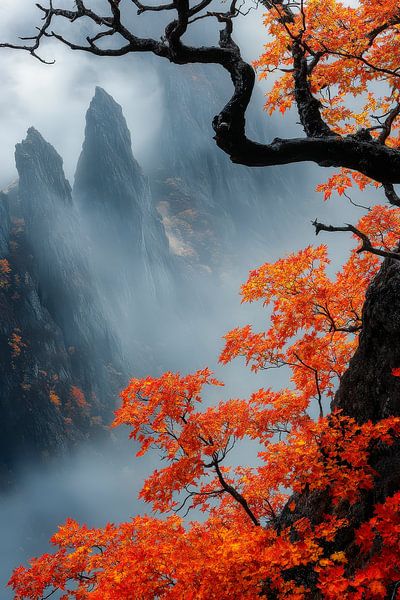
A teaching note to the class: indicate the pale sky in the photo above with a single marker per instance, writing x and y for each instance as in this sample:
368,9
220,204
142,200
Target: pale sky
54,98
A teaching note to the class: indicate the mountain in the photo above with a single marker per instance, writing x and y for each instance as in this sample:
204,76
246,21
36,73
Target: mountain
95,281
59,361
115,201
212,208
139,279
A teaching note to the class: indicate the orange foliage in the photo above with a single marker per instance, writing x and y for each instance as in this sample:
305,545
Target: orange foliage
348,46
54,399
342,181
314,317
78,396
5,271
238,550
16,344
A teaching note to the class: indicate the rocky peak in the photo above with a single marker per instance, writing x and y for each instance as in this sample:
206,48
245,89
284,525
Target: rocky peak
107,172
114,198
39,166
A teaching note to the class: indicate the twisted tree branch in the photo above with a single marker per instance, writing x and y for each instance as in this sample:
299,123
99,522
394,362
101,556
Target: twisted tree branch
321,145
366,245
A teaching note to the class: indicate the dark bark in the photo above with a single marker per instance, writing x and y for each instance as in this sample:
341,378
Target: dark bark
368,389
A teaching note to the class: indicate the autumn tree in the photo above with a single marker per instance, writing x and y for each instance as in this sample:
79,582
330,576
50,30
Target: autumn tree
317,515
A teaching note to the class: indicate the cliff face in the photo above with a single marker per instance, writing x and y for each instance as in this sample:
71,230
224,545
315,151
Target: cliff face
33,358
114,198
60,251
211,207
138,278
367,391
58,358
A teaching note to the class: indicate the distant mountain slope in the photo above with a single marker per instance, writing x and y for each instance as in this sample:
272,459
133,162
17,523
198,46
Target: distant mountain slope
58,359
95,283
213,208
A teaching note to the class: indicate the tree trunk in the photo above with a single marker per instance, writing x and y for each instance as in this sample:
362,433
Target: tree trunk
367,391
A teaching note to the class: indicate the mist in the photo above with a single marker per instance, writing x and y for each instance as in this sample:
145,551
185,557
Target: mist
165,303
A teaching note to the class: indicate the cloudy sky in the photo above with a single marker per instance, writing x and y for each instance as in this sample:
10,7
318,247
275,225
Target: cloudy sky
54,98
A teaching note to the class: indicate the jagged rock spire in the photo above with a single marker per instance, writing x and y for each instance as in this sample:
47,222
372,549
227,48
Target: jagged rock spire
107,172
40,165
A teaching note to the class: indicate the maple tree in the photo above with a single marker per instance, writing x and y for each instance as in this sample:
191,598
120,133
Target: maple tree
244,547
328,52
318,513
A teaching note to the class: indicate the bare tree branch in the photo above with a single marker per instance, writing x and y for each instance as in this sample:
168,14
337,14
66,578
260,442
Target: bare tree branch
317,386
366,245
388,123
390,194
333,327
321,145
159,7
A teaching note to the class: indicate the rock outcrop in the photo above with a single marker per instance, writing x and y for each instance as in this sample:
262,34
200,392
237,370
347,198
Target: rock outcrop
114,198
59,361
367,392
